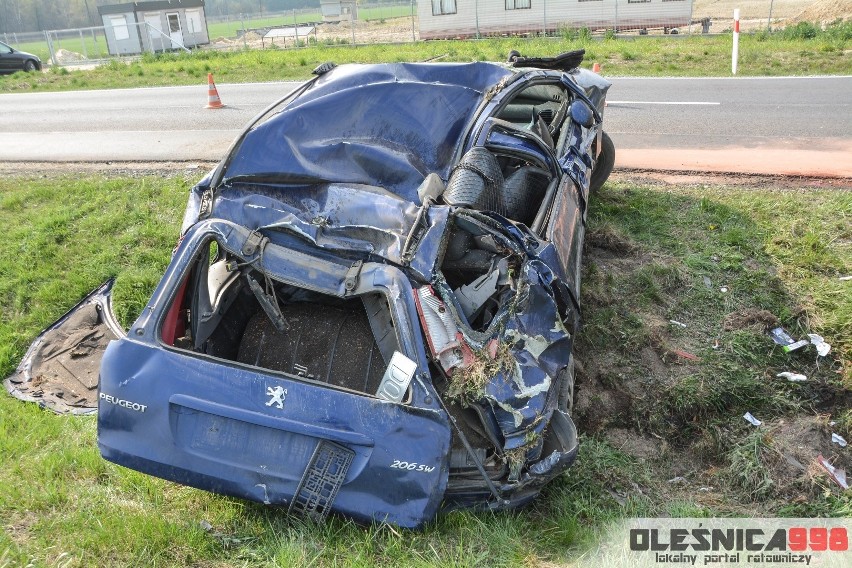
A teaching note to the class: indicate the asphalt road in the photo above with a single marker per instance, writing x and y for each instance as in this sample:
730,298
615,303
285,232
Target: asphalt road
163,123
784,125
761,125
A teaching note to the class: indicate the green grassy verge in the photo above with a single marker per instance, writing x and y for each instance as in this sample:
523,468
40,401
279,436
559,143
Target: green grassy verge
650,249
823,52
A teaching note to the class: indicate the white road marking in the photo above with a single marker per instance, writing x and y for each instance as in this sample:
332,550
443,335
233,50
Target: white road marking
662,103
741,79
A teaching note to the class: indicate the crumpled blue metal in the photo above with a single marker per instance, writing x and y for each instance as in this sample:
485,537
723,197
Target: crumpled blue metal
385,125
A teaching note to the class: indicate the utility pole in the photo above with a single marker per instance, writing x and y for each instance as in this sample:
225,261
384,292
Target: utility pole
89,14
413,37
38,15
769,19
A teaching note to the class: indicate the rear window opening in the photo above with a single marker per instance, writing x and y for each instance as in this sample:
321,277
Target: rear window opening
314,336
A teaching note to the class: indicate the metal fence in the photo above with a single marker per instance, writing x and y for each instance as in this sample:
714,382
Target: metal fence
767,14
226,25
395,21
83,46
390,21
62,47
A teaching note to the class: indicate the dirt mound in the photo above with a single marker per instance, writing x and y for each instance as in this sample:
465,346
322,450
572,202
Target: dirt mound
608,238
797,443
825,11
65,56
753,319
605,393
373,31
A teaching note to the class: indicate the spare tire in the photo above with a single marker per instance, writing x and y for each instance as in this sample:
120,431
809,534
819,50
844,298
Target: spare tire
475,182
604,163
523,192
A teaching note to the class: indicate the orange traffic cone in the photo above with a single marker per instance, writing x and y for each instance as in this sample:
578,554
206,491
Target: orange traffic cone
213,100
596,67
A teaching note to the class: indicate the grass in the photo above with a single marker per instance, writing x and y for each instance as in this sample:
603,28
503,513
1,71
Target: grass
777,253
760,54
779,250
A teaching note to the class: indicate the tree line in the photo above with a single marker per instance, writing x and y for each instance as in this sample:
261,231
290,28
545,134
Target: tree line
38,15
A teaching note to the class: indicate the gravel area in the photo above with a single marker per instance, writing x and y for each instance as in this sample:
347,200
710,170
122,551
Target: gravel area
196,170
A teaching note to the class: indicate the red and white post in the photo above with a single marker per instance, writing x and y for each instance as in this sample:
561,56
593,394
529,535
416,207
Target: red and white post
735,54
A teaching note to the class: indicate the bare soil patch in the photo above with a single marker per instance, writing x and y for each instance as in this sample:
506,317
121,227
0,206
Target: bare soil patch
755,13
108,169
706,179
751,318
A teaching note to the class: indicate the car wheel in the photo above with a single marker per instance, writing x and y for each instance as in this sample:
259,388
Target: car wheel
30,66
604,163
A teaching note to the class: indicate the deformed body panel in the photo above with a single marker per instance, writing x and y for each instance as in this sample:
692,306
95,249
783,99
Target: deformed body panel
237,430
60,369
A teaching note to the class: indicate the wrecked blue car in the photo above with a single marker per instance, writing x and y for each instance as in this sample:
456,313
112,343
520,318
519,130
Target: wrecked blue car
372,306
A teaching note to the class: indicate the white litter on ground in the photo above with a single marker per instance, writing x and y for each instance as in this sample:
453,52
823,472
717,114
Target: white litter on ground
754,421
821,346
792,377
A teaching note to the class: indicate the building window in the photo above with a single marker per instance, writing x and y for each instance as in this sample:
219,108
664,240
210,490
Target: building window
193,21
119,27
517,4
442,7
637,1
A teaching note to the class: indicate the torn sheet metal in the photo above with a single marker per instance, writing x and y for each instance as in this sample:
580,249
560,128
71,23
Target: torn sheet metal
520,398
60,369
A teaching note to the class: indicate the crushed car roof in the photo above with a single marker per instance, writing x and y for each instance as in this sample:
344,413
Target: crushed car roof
387,125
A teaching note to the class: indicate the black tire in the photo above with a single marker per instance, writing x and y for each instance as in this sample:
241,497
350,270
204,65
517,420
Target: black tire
30,66
604,163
